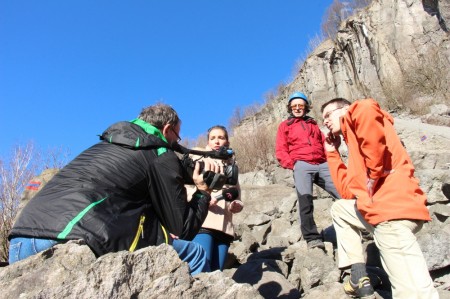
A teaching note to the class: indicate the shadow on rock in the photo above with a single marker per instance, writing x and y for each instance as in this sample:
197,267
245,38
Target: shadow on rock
266,276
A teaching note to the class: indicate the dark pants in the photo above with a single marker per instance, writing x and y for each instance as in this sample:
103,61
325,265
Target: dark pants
305,175
216,250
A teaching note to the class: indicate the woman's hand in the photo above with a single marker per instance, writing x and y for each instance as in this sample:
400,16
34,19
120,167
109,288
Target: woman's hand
235,206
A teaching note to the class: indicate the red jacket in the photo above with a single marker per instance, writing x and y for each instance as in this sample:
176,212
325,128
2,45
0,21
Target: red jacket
299,139
374,147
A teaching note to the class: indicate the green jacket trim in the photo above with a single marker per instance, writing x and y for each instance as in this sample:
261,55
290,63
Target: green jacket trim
149,129
62,235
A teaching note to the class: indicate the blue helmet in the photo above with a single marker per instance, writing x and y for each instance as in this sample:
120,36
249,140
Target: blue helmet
299,95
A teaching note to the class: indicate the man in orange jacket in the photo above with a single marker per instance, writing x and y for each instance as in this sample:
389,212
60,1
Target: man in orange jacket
383,196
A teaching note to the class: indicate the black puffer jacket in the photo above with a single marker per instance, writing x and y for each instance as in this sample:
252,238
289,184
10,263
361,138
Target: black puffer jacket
127,189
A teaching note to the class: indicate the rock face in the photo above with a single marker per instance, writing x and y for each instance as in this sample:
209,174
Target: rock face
383,52
395,51
72,271
372,53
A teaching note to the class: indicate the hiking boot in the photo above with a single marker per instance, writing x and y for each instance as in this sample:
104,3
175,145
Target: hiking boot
316,244
366,235
362,290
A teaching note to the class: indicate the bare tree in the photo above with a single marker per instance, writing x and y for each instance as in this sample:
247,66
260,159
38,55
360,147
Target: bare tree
200,141
357,4
332,19
16,171
251,110
14,174
240,113
55,157
337,12
236,118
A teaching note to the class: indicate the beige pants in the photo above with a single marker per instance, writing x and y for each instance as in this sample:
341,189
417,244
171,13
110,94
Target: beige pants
400,253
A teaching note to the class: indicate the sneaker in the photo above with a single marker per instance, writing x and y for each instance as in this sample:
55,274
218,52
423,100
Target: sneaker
316,244
362,290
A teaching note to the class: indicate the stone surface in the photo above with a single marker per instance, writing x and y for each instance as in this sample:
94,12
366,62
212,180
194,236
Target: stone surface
71,271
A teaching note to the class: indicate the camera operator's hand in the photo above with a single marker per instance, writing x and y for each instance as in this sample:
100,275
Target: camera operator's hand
217,165
197,177
213,201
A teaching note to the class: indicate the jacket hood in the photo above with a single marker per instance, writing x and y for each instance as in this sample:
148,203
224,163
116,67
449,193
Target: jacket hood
135,135
362,104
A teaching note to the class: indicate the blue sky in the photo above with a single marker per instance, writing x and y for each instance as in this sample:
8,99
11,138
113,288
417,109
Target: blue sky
69,69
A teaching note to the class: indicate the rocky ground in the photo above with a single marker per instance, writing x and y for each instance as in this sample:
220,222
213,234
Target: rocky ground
269,258
269,226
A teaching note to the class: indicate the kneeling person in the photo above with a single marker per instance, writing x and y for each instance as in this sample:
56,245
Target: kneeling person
124,193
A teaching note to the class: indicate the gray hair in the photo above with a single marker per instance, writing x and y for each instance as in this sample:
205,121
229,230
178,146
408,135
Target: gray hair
159,115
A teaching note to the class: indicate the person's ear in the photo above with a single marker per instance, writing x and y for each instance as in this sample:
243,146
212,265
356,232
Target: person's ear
166,130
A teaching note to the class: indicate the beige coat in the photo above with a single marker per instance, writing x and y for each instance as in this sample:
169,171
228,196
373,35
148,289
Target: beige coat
219,217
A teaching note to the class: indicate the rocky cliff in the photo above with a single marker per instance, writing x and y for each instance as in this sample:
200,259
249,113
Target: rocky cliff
396,51
373,55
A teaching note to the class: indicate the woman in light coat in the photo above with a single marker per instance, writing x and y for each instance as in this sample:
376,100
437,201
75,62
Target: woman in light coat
217,231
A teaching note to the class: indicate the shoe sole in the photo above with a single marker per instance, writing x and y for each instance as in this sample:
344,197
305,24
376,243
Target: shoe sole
365,297
320,247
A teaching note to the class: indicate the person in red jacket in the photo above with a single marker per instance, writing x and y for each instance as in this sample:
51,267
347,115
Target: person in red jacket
383,196
300,147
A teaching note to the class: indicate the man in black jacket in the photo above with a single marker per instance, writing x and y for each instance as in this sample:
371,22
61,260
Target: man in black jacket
124,193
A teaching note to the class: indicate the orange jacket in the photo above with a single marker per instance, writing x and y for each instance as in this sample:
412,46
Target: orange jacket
374,147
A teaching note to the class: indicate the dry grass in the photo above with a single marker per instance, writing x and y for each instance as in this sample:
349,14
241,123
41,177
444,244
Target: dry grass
424,83
255,150
428,77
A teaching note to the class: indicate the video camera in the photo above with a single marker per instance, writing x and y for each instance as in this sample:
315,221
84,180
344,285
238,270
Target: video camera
215,181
